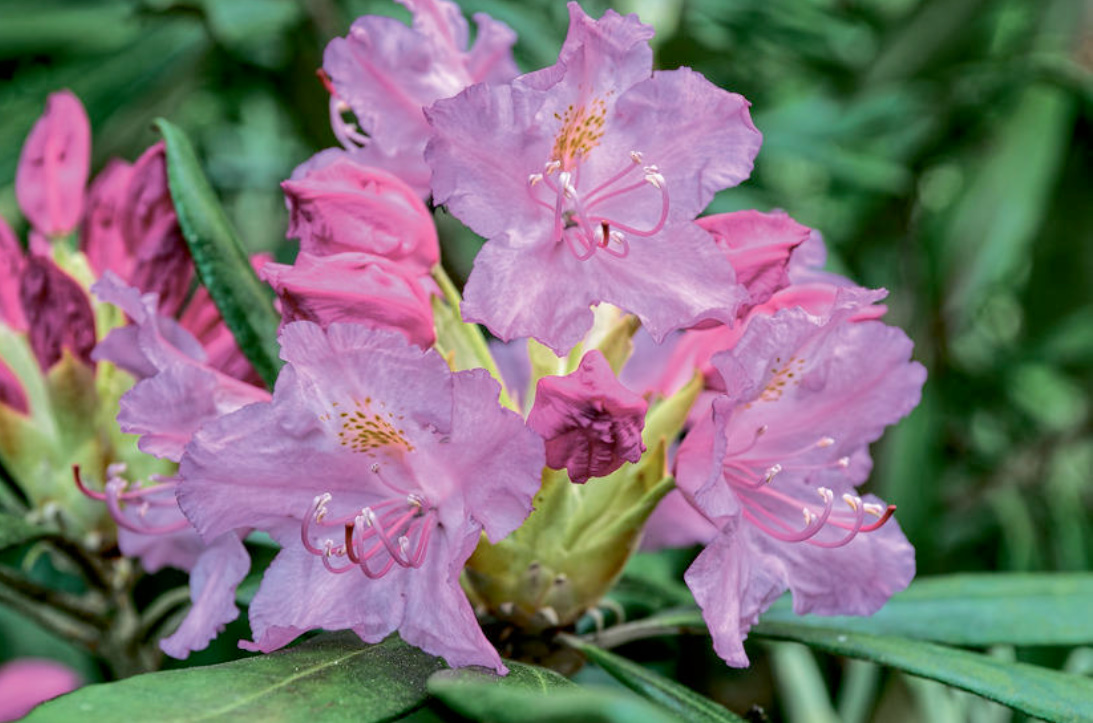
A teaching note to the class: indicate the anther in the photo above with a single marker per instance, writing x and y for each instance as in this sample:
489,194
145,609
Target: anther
826,494
535,178
551,167
852,501
772,471
825,442
874,509
636,156
843,462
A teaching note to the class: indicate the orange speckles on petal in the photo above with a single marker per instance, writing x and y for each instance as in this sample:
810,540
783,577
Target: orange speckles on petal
582,128
365,431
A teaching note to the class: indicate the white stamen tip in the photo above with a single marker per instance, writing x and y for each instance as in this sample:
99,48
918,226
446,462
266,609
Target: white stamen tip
403,544
825,494
874,509
367,516
535,178
772,471
809,517
825,442
375,467
843,462
655,179
551,167
636,156
852,502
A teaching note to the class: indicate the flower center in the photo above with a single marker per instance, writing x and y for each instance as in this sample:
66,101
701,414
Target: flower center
373,539
579,219
769,508
365,429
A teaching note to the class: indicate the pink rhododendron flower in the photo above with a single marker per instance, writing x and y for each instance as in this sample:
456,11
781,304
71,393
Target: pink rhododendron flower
775,466
26,682
53,166
590,422
586,178
176,393
57,311
759,246
353,287
347,207
377,469
12,393
385,73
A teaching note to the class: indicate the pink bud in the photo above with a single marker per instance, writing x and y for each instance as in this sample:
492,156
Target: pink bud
101,236
758,246
590,422
11,268
26,682
58,313
344,206
151,230
357,288
53,167
12,393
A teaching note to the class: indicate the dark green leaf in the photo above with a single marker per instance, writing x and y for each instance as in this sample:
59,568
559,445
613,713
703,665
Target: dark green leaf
529,694
331,678
245,302
1039,692
679,699
14,530
981,610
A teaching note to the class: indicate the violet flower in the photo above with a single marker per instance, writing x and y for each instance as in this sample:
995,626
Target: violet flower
775,466
378,489
586,178
590,422
385,73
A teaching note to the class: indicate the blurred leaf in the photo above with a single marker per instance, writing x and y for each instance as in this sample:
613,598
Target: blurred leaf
333,677
681,700
801,685
255,31
534,695
245,302
35,26
1039,692
15,530
917,42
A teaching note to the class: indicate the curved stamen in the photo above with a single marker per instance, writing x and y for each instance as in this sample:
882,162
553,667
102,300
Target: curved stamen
635,162
855,504
661,222
122,520
813,523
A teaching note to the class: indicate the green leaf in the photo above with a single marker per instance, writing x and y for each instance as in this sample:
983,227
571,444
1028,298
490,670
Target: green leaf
681,700
243,300
529,694
331,678
978,610
14,530
1039,692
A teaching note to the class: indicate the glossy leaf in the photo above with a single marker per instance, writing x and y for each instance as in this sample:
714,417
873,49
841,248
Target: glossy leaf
529,694
1039,692
979,610
245,302
681,700
331,678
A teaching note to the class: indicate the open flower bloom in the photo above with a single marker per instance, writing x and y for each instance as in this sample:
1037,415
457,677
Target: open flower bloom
176,393
775,465
590,422
377,469
586,178
385,73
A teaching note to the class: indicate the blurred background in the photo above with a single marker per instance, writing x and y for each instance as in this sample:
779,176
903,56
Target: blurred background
943,147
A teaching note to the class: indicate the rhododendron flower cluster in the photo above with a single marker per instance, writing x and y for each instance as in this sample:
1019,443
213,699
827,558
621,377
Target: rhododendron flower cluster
681,378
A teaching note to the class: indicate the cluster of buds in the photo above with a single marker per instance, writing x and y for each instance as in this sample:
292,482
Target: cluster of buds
658,379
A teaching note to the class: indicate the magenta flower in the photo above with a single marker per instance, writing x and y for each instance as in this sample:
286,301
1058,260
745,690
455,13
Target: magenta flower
53,166
101,236
342,206
354,287
590,422
759,246
385,73
26,682
789,440
11,270
377,489
57,311
586,178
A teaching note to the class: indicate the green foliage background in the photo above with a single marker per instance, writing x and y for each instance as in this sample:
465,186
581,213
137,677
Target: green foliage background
943,147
